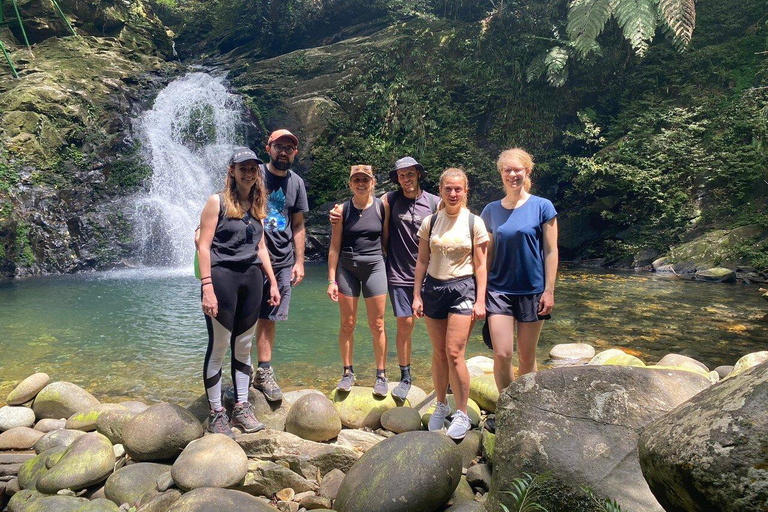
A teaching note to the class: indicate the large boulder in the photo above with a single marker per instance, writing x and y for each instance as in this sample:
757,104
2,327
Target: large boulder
128,483
401,419
32,501
214,499
272,414
581,424
359,408
87,461
112,423
86,419
16,417
161,432
710,453
27,389
214,460
313,417
31,470
62,400
410,472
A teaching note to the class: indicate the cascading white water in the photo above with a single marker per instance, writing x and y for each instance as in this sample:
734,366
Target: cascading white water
187,137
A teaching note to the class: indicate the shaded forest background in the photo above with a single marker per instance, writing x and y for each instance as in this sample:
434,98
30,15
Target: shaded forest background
642,156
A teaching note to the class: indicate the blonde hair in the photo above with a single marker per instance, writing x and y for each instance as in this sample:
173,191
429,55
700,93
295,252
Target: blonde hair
454,172
257,197
521,156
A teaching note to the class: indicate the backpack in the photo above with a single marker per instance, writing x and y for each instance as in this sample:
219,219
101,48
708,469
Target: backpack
397,194
470,222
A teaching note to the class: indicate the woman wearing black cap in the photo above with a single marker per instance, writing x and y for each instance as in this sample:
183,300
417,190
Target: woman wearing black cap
232,256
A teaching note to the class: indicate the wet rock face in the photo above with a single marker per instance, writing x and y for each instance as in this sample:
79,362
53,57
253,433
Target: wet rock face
709,454
582,424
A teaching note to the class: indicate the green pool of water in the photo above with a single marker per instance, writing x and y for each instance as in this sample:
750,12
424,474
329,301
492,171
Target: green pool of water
140,333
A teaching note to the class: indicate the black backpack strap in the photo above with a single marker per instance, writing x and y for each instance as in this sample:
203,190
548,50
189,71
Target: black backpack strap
432,221
346,207
379,205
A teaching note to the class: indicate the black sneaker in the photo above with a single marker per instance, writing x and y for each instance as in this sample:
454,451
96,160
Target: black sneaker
346,382
264,381
244,419
218,423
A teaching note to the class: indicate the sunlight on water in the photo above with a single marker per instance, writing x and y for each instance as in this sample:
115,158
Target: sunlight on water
139,333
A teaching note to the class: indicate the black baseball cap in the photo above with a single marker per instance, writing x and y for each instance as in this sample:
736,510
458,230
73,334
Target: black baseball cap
242,154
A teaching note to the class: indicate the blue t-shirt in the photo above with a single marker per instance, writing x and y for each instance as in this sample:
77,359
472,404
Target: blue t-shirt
518,245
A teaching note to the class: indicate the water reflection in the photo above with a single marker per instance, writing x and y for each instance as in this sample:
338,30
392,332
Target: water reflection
140,334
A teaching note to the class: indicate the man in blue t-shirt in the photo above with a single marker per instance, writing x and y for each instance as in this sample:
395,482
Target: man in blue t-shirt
285,237
408,207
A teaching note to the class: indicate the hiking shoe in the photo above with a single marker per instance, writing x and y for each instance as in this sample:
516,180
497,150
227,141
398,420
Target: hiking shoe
265,382
401,390
346,382
244,419
218,423
459,426
380,387
490,423
437,420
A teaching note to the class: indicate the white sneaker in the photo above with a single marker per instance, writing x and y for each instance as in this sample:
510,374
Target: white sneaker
459,426
437,420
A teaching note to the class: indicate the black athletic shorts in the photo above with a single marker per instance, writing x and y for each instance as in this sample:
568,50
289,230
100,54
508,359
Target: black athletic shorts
525,308
455,296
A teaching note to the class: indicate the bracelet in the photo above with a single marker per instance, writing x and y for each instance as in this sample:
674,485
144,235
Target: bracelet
206,284
331,281
206,277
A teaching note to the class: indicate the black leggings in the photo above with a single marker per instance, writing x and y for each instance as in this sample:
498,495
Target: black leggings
238,291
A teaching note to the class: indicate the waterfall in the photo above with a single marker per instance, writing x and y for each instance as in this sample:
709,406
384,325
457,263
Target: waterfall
186,137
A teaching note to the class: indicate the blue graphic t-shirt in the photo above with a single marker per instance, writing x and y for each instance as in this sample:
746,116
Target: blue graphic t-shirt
518,245
286,195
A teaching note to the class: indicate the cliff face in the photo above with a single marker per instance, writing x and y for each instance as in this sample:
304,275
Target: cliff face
67,157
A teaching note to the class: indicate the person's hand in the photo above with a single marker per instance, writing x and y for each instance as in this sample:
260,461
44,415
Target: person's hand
297,274
478,311
197,238
546,302
334,215
333,292
418,307
274,294
210,304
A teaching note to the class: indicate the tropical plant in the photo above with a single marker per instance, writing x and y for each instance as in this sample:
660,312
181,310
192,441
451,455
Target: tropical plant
526,491
606,505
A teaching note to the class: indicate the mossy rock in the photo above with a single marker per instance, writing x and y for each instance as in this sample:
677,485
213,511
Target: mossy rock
87,461
483,390
615,357
358,408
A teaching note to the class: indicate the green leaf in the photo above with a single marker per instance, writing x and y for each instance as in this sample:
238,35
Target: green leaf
555,62
637,19
586,19
680,17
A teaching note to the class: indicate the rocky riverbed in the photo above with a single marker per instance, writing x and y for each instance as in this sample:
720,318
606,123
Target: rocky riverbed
61,449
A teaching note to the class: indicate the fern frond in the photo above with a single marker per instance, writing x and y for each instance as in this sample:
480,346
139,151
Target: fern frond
525,491
680,17
586,19
536,68
637,19
555,62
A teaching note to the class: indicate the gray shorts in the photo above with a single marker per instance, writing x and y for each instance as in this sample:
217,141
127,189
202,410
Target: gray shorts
452,296
354,276
524,308
401,298
277,313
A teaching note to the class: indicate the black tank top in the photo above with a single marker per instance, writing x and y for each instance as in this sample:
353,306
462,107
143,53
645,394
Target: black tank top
236,241
361,236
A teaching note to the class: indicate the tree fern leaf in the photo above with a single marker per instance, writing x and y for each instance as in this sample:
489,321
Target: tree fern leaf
536,68
637,19
586,19
555,62
680,17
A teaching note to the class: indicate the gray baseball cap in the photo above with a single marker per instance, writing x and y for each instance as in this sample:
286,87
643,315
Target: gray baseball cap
406,161
243,154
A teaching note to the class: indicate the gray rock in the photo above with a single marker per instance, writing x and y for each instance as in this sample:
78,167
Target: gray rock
615,357
748,361
265,478
273,445
463,494
87,461
682,361
49,425
723,371
470,447
164,481
134,406
99,505
467,506
272,414
572,352
581,423
160,433
214,460
19,438
112,423
716,275
709,453
329,487
33,501
27,389
127,484
86,419
12,487
60,438
31,471
422,470
215,499
160,502
62,400
315,502
358,440
11,417
200,408
313,417
479,476
401,419
293,396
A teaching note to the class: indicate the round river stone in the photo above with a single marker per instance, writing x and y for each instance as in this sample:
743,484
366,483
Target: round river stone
16,417
128,483
313,417
214,499
89,460
161,432
214,460
27,389
62,400
401,419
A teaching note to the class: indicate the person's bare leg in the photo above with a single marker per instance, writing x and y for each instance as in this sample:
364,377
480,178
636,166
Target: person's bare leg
527,340
405,326
265,339
436,331
502,329
456,335
374,308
